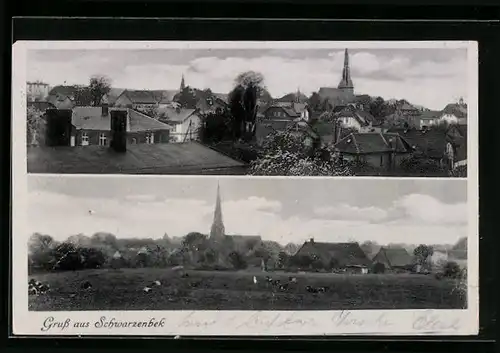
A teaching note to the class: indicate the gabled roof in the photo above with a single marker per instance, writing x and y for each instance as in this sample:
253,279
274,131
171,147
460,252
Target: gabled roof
176,115
363,117
407,106
356,143
293,97
430,142
140,96
394,257
163,158
64,90
459,110
346,254
91,118
429,115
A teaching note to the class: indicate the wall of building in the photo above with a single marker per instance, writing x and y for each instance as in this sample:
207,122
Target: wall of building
160,136
277,113
179,131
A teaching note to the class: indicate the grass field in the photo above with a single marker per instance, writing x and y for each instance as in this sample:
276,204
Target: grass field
217,290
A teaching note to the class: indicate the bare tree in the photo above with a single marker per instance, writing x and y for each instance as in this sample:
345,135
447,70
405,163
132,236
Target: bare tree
99,87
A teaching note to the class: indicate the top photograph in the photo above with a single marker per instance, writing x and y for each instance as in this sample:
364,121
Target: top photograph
326,109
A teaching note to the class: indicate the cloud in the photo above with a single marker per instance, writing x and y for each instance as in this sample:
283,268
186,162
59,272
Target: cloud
410,209
415,218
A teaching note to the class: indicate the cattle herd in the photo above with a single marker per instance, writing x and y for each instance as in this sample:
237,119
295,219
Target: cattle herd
39,288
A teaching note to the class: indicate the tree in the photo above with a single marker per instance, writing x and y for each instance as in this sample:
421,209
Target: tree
283,258
297,153
194,241
377,107
92,258
35,127
314,102
216,126
237,260
420,164
461,244
243,104
422,252
186,98
99,87
452,270
40,252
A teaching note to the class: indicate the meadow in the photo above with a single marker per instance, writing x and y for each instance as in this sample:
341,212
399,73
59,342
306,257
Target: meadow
122,289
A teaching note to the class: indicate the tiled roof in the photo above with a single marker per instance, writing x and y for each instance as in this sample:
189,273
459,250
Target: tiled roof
394,257
141,96
459,110
90,118
292,97
356,143
430,142
347,254
429,115
177,115
163,158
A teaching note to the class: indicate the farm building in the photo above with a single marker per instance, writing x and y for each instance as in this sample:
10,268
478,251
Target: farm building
346,257
394,259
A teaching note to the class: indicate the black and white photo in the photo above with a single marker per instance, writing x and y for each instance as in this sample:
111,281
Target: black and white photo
178,188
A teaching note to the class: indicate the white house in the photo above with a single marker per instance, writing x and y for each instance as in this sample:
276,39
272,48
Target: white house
455,113
184,123
37,91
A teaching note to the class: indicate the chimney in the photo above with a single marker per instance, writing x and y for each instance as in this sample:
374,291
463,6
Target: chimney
58,127
105,109
119,131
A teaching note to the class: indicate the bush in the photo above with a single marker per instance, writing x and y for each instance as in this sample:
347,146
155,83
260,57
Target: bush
237,260
92,258
451,270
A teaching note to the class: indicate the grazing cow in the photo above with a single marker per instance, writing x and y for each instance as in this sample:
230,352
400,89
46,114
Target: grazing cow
43,288
32,291
32,282
292,279
284,286
254,280
147,289
156,283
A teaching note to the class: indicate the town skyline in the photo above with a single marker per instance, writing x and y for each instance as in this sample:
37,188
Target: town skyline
412,211
428,77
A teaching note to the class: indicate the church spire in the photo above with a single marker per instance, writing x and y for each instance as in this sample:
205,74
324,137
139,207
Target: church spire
183,85
217,230
346,81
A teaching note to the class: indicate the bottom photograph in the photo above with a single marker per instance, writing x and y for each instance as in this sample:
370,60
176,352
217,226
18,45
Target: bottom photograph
233,243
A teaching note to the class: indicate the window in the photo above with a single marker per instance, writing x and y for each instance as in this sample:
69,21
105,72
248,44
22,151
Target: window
134,140
85,139
102,139
150,138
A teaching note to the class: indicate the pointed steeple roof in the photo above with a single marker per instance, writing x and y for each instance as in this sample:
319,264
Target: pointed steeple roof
183,84
346,81
217,230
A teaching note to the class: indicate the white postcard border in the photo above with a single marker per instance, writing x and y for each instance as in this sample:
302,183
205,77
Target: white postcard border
235,323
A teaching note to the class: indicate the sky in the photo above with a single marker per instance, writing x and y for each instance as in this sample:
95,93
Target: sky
411,211
428,77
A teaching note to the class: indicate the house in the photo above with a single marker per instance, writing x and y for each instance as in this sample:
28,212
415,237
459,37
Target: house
137,99
184,123
58,157
447,146
455,113
92,126
286,111
61,101
37,91
352,117
408,109
299,127
394,259
297,97
346,257
378,150
427,119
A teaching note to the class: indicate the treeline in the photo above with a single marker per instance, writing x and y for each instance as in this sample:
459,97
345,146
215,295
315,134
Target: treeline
104,250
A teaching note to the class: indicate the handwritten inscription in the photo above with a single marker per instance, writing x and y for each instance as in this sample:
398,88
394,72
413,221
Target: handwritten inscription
431,322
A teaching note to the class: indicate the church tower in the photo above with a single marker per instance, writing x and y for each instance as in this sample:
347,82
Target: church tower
346,84
217,231
183,85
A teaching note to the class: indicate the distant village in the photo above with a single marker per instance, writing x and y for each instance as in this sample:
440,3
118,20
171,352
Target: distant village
183,131
218,250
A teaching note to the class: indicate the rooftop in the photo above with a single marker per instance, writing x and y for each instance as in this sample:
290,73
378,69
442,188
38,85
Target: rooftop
356,143
175,158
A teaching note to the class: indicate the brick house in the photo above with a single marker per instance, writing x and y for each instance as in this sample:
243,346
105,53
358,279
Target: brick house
92,126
